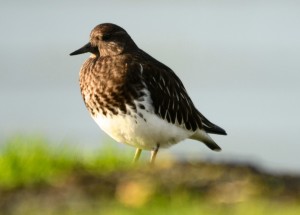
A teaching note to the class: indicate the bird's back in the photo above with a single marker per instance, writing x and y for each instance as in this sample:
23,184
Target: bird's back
137,85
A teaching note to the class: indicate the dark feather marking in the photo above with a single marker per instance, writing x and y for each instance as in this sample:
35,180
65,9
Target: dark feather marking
171,102
120,79
141,106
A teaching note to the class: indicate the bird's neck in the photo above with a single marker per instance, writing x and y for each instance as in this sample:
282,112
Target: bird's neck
113,49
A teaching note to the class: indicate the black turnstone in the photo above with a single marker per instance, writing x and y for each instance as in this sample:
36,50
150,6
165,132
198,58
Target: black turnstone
136,99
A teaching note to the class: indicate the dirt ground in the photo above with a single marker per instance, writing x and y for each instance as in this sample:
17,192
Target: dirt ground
217,183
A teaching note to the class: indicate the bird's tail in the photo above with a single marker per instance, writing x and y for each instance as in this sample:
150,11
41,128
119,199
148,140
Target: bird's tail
209,127
202,136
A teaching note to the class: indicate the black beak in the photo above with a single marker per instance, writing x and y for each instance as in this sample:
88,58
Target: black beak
86,48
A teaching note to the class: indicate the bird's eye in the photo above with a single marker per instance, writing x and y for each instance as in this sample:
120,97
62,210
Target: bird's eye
106,37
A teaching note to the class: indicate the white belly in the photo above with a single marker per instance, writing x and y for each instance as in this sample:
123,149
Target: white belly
142,132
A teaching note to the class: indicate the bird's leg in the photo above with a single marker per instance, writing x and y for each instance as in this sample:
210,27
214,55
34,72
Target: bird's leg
153,154
137,155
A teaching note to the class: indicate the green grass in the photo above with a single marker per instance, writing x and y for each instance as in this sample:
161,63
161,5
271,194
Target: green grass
37,177
26,161
191,206
162,206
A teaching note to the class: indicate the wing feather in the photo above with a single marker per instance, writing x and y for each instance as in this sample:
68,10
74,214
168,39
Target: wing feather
171,101
169,96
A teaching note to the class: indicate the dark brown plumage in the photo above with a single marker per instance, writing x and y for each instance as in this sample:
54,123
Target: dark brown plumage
121,84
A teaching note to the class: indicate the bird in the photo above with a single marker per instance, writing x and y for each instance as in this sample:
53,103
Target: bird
136,99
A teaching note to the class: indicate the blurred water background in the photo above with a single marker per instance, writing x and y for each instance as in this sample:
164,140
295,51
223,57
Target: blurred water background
239,60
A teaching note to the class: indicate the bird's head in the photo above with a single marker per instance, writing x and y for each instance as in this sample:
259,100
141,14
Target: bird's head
107,40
